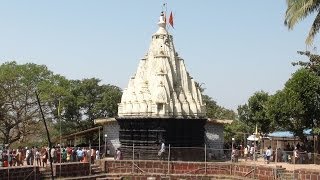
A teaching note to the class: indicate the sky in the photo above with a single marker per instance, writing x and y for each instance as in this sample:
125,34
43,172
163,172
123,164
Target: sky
234,48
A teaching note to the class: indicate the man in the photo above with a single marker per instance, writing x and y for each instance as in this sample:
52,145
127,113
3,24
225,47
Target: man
161,151
28,155
252,151
79,154
268,154
118,154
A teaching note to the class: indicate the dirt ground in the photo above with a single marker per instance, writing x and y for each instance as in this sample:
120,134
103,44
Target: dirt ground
288,166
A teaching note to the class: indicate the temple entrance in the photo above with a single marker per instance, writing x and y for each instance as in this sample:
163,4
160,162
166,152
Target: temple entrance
185,136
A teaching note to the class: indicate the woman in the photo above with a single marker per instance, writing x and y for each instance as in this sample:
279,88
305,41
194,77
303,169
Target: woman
44,156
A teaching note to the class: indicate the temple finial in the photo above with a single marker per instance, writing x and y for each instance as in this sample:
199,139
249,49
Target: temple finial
162,24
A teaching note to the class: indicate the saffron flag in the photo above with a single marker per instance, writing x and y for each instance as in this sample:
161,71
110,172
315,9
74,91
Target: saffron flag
171,20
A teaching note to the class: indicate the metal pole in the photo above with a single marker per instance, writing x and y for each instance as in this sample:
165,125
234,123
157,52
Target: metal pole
60,137
105,147
169,159
89,156
99,143
205,158
133,158
276,160
48,135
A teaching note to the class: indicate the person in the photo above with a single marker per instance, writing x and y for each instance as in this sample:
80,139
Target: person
97,154
268,154
38,161
252,151
118,154
79,155
44,155
162,150
19,157
245,153
64,155
295,155
53,154
28,155
93,155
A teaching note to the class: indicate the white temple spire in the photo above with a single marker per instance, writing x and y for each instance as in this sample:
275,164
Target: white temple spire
161,87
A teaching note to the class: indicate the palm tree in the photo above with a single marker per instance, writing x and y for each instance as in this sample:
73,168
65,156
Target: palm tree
297,10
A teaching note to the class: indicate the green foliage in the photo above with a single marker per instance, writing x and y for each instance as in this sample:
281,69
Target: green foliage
297,10
80,102
255,113
18,106
87,101
238,130
215,111
297,107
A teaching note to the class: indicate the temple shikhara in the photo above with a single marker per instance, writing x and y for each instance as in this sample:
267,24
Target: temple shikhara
161,87
162,103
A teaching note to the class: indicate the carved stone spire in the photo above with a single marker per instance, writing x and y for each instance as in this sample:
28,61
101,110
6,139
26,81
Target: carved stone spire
162,87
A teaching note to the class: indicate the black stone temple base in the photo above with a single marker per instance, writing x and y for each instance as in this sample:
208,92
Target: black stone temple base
185,137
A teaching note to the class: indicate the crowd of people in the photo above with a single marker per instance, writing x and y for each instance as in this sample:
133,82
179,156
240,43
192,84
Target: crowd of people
296,154
39,156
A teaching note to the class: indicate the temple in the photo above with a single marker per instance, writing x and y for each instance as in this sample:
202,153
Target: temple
162,101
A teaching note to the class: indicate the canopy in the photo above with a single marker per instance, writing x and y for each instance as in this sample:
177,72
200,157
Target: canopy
287,134
253,138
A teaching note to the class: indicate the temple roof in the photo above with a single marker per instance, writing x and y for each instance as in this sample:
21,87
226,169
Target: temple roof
161,87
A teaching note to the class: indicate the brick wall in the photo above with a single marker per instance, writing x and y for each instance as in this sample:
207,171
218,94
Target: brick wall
190,169
306,174
112,130
23,172
71,169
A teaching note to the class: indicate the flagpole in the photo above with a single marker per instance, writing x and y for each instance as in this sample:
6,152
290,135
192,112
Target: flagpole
60,136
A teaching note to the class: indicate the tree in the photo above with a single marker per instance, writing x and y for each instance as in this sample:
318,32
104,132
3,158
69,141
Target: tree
297,10
297,106
313,64
215,111
254,112
88,101
18,106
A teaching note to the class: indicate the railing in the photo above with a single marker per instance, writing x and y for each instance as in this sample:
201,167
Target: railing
285,160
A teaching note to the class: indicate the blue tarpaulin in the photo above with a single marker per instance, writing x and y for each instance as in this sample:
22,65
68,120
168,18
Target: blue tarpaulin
287,134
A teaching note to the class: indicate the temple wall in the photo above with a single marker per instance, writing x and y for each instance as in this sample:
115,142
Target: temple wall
214,139
112,130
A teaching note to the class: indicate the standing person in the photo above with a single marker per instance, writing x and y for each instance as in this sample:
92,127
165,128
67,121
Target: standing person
295,155
44,157
38,159
33,157
268,154
79,154
162,150
118,154
245,152
53,154
93,155
19,157
97,154
28,155
64,155
252,150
